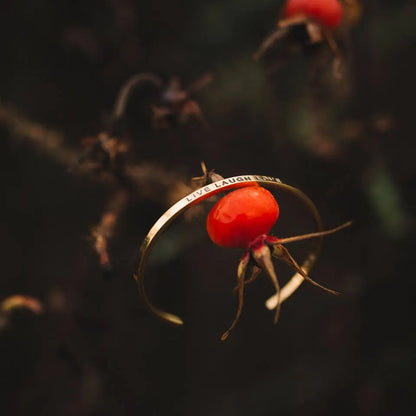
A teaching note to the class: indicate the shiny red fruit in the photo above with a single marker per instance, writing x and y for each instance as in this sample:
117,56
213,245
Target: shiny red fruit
241,216
326,12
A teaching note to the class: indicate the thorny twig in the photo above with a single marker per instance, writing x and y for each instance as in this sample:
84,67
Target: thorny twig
145,179
104,156
46,140
149,180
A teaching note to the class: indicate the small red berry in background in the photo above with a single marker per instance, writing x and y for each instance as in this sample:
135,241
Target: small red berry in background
310,22
327,12
241,216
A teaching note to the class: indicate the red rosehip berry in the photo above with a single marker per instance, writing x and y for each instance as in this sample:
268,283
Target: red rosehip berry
326,12
241,216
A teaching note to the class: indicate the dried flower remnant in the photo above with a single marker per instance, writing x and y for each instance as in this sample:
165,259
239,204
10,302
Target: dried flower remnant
103,153
199,182
176,107
205,178
310,22
172,106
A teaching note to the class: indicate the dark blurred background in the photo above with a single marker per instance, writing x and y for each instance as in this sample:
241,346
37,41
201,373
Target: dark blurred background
348,144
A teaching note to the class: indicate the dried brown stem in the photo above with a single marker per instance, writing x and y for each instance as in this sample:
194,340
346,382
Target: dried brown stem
104,231
199,83
129,86
337,62
269,41
46,140
149,180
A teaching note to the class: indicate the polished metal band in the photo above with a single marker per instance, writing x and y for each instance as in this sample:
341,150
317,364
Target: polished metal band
206,192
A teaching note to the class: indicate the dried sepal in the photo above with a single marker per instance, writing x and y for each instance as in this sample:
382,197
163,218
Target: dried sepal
282,253
205,178
241,271
262,256
102,153
310,235
269,41
255,272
